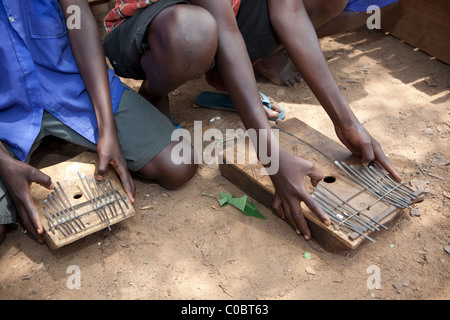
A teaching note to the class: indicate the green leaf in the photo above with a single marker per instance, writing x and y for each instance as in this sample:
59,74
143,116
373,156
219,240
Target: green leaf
307,255
248,208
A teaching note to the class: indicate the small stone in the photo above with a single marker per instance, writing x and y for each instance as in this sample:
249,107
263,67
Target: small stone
428,131
447,249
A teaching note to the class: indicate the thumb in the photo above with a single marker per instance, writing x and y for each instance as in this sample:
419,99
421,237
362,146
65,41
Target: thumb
316,176
41,178
102,167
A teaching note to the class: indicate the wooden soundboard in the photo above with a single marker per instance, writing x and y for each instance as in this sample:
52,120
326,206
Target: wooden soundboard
76,209
304,141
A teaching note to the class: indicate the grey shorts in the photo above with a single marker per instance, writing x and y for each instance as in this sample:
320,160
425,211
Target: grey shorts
143,132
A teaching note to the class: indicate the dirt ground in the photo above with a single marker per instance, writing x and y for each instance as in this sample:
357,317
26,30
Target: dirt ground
182,245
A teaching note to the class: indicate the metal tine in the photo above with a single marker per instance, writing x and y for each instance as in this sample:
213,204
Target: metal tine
345,222
351,215
113,192
393,194
108,223
119,198
386,176
378,189
109,202
363,184
342,221
63,214
383,184
51,222
71,217
55,223
66,220
113,198
338,221
94,206
350,206
57,217
71,207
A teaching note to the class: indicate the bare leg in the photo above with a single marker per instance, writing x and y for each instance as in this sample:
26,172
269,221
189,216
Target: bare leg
168,174
183,40
278,67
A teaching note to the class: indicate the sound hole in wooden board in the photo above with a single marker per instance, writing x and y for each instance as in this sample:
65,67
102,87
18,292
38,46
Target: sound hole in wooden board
329,179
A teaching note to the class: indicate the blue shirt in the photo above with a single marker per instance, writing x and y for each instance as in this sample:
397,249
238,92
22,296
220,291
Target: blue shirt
38,72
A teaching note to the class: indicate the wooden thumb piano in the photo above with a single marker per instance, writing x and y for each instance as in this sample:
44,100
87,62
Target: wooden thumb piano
359,200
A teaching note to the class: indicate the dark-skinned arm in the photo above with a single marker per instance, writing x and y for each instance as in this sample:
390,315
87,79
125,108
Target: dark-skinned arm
237,74
296,32
90,57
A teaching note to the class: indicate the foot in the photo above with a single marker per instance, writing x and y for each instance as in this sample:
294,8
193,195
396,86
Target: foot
274,110
278,68
214,80
2,233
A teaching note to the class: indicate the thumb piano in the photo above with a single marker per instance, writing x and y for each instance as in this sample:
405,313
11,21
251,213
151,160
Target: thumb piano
79,205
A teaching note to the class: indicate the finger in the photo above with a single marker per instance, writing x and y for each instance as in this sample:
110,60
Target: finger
317,210
316,176
383,161
30,218
276,205
299,219
367,155
41,178
127,181
290,218
102,167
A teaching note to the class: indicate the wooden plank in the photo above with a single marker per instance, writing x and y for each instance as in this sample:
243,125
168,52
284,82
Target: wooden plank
66,173
423,24
304,141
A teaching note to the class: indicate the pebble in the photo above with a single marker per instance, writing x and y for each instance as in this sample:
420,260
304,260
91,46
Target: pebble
447,249
428,131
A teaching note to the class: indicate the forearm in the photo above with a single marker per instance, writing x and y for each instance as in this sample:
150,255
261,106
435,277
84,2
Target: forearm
236,70
89,55
296,32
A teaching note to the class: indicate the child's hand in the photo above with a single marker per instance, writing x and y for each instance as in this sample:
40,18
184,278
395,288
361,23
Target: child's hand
290,192
362,144
17,177
110,153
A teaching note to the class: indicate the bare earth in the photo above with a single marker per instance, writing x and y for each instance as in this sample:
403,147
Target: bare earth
182,245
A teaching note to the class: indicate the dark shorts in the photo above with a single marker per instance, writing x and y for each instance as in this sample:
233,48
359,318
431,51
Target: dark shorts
125,45
143,132
254,23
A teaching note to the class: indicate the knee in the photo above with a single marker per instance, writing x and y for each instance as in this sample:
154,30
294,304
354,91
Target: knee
186,37
165,168
332,9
